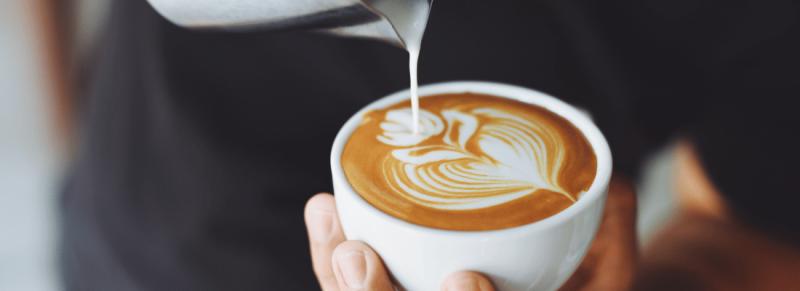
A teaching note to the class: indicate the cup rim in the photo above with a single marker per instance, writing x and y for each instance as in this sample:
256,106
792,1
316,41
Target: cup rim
573,115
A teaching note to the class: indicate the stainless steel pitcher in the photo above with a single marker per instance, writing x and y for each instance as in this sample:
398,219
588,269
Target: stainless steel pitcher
385,20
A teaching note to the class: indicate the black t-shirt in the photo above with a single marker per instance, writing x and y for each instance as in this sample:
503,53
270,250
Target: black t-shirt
199,149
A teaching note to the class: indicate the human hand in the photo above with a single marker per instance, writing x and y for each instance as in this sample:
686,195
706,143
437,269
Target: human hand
342,265
610,263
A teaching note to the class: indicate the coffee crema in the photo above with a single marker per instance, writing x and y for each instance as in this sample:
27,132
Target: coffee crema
479,162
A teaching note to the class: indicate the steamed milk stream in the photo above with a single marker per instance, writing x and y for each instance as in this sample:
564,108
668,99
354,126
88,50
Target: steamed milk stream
466,161
409,19
478,162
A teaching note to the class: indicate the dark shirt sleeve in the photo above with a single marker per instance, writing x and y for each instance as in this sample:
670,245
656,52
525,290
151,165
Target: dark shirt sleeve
746,54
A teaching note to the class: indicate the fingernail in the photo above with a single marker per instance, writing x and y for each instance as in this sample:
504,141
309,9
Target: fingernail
353,266
464,284
320,225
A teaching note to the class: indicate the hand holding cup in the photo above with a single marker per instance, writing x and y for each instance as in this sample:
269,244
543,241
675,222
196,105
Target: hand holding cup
548,170
342,265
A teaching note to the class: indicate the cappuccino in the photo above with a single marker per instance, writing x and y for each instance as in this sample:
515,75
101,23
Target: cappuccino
477,162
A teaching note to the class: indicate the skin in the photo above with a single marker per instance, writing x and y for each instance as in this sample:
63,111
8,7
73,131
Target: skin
614,248
51,18
703,247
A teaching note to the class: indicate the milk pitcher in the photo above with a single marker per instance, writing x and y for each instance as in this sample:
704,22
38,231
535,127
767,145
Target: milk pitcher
391,21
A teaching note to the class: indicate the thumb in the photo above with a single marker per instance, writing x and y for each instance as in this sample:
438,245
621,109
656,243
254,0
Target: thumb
358,267
466,281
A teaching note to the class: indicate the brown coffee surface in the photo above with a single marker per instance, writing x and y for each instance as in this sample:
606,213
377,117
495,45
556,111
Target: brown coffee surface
480,162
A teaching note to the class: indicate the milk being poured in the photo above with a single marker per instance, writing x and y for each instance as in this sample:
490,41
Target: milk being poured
409,19
399,22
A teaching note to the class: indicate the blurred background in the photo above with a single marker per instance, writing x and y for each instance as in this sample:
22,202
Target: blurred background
35,132
37,129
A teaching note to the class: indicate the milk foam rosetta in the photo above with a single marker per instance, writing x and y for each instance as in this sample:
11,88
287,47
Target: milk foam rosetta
478,162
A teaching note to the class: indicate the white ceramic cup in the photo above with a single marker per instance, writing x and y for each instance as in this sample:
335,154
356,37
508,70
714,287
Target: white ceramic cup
536,256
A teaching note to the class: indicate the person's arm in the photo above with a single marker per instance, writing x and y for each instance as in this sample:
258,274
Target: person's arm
51,20
706,248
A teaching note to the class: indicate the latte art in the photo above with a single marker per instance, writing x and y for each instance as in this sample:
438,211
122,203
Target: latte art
474,155
398,127
476,165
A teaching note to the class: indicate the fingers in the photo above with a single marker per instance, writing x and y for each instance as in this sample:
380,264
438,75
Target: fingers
618,238
324,234
340,265
621,201
466,281
358,267
611,260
